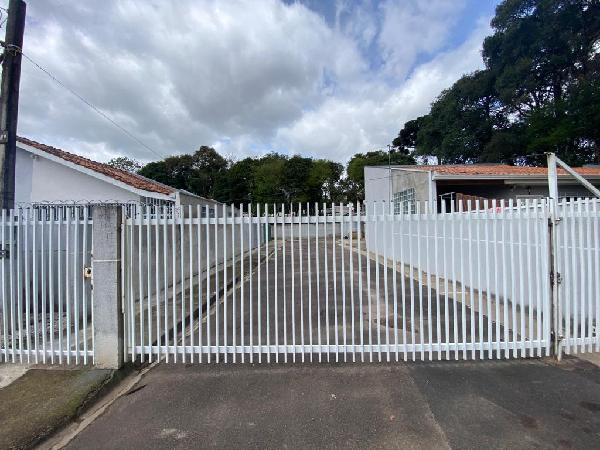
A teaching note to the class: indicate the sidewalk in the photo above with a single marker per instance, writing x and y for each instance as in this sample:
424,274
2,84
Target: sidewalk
42,400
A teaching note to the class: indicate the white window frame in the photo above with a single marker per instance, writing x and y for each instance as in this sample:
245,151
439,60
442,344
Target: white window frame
405,201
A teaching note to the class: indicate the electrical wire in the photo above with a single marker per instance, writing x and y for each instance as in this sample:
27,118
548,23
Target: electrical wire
94,108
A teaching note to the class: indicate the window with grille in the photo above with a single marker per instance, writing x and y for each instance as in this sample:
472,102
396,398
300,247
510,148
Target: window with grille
156,207
404,202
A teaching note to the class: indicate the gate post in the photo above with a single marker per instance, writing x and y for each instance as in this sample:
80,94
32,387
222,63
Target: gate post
556,332
106,285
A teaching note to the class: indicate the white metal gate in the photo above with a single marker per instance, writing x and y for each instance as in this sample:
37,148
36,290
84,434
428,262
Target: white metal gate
578,272
46,302
263,283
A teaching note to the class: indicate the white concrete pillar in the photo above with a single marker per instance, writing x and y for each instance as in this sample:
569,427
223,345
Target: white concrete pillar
106,282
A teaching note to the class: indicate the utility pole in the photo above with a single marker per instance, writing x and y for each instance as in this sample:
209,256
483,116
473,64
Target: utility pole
9,100
390,209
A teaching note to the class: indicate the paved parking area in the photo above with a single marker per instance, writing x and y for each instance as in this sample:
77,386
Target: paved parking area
497,404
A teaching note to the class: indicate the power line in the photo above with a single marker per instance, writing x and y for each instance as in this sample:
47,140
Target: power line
94,108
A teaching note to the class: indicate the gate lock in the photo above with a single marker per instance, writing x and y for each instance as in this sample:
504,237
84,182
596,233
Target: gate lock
87,272
4,253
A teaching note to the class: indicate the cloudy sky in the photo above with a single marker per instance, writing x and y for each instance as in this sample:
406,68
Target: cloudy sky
313,77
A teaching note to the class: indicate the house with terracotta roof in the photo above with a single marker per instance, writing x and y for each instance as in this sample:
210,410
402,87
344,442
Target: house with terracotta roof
48,175
404,186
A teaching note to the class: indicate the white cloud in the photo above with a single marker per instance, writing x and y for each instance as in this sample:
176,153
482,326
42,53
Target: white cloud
414,27
245,76
342,127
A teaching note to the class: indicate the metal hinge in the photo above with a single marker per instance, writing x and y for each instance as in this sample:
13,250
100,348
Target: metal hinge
557,220
558,278
555,337
4,253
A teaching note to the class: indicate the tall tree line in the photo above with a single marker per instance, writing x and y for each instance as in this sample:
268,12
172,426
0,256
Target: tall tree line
273,178
539,91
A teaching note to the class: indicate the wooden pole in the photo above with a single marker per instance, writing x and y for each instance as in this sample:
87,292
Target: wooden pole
9,100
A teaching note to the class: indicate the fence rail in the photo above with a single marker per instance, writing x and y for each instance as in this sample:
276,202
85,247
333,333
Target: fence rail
266,283
45,312
344,283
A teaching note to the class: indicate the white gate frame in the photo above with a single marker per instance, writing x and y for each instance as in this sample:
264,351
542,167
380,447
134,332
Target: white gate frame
555,278
160,290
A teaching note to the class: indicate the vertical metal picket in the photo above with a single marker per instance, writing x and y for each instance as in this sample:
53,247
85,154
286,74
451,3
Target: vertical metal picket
491,294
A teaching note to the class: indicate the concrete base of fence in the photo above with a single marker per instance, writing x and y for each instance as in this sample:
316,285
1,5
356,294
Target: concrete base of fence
106,281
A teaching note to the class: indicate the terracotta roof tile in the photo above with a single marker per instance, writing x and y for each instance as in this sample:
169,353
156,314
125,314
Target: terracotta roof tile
500,170
131,179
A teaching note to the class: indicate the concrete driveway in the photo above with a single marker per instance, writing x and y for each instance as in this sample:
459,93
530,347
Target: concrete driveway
497,404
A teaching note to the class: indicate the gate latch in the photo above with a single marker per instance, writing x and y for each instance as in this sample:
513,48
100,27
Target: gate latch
558,278
87,272
3,252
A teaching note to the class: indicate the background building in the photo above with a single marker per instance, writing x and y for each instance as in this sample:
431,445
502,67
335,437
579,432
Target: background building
404,186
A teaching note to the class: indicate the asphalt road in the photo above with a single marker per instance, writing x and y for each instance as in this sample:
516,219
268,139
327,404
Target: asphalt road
498,404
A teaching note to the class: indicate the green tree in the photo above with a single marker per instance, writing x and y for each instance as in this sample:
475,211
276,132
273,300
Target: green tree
355,169
207,166
173,171
536,93
296,172
269,180
236,185
196,173
461,122
125,163
406,141
324,181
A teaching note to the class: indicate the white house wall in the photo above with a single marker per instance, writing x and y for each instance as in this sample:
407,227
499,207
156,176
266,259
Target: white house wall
42,180
377,184
23,176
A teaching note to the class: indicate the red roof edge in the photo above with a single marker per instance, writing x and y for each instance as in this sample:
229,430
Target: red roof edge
498,170
131,179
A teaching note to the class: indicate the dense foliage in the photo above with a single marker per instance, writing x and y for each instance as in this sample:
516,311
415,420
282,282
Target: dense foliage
125,163
273,178
197,173
539,91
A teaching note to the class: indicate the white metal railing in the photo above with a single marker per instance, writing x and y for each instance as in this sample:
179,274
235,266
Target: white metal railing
265,283
578,267
46,304
341,284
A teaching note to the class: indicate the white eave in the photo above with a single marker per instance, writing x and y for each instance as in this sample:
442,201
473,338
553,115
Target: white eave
507,179
512,179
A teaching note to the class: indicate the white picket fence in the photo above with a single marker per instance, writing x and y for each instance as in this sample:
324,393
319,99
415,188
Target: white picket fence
494,261
46,306
353,283
261,283
578,263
